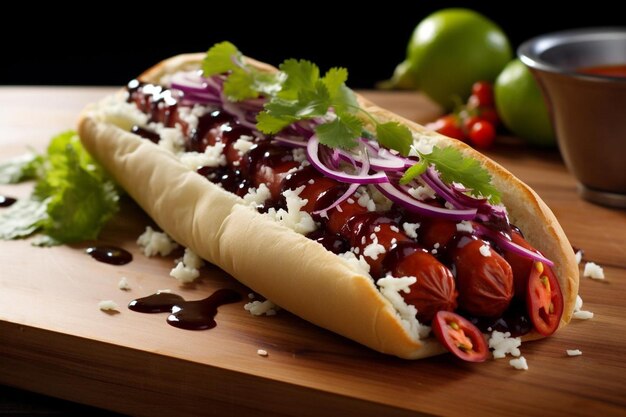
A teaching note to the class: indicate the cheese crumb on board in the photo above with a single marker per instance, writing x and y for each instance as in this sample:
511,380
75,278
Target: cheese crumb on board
107,305
579,256
184,274
485,250
519,363
593,270
191,260
574,352
123,284
153,242
259,308
261,352
503,343
578,312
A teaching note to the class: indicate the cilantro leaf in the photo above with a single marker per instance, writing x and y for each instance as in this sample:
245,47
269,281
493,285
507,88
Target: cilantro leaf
334,79
20,168
341,132
454,167
73,198
313,102
270,124
221,58
23,218
393,135
301,75
239,85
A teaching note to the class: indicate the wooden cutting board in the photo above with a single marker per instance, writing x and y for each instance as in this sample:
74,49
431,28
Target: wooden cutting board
55,340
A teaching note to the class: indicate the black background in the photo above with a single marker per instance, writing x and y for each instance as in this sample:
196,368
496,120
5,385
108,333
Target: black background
109,43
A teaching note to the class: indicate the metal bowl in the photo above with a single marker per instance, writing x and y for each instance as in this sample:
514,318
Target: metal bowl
588,111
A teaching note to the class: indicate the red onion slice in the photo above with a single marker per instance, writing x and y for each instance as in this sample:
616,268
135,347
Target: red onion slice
400,197
314,158
508,244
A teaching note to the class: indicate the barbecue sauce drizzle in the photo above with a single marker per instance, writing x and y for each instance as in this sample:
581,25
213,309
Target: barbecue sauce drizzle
189,315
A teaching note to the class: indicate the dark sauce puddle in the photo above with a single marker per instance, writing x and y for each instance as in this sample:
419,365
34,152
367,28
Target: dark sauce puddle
188,315
110,255
7,201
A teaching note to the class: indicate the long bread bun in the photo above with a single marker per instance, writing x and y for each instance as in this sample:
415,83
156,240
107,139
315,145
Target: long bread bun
294,272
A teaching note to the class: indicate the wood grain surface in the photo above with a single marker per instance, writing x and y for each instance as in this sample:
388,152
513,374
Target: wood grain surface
55,340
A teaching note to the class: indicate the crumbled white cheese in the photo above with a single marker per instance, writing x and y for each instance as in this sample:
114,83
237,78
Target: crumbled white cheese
593,271
423,143
376,229
394,229
374,249
503,343
579,256
123,284
519,363
191,260
299,155
257,196
191,115
411,229
381,202
359,263
578,312
184,274
390,288
243,144
259,308
107,305
422,193
262,352
485,251
251,296
153,242
172,139
578,304
583,314
574,352
464,226
213,156
294,218
115,110
365,200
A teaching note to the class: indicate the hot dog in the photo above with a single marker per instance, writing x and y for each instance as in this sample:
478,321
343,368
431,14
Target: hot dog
299,268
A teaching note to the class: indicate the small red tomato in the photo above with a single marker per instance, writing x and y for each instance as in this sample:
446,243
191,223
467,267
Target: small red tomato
460,337
469,122
483,278
482,134
489,114
447,126
544,299
483,91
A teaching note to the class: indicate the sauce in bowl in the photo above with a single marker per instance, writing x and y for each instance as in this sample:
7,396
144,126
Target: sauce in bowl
605,70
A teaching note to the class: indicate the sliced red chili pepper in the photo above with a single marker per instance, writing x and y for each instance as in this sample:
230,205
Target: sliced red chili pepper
544,299
460,337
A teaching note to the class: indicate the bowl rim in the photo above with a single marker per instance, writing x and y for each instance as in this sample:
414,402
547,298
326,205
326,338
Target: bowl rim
529,52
